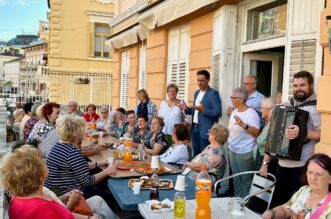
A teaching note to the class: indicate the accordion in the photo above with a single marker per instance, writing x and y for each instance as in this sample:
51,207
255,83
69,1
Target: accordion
277,142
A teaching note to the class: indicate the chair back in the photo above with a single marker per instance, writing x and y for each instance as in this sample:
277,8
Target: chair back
261,190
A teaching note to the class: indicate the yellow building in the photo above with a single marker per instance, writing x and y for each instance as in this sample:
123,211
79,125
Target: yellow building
80,65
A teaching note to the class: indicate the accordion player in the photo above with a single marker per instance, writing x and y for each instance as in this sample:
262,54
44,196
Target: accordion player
277,142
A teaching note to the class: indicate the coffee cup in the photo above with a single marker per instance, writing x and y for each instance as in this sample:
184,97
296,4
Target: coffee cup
136,188
155,162
110,161
180,183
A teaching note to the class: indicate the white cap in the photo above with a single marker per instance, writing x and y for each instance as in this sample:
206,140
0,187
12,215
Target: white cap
155,162
180,183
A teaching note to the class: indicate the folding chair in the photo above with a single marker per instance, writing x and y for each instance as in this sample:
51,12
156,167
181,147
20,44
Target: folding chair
261,191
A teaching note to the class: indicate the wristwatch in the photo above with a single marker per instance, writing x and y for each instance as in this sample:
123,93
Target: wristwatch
265,163
246,126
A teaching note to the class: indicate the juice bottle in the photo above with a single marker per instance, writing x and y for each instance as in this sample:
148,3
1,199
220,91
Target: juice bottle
203,194
180,198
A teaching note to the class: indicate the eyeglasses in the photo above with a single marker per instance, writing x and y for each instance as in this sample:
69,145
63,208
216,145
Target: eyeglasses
234,98
71,105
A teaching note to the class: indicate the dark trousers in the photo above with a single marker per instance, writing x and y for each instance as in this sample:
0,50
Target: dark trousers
288,182
197,142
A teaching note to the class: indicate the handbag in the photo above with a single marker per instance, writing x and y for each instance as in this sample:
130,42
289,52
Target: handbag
82,207
320,210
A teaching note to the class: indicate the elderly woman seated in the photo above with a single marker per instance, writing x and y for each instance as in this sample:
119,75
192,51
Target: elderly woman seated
68,169
213,155
177,153
23,175
104,119
140,132
116,128
156,143
313,200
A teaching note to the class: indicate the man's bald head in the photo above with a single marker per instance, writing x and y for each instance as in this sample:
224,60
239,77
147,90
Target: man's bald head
249,83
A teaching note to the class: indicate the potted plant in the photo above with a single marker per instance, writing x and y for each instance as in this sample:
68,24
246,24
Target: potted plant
82,81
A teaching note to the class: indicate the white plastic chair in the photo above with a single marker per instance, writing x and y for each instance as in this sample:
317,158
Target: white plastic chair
261,187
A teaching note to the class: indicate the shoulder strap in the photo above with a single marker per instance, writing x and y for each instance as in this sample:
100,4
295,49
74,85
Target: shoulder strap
292,102
320,210
308,103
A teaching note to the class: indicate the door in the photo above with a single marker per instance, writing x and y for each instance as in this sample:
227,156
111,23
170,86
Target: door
267,67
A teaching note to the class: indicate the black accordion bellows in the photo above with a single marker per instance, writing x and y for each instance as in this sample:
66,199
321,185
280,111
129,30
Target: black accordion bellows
277,142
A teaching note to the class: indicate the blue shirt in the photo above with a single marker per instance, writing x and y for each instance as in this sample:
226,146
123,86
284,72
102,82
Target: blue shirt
254,101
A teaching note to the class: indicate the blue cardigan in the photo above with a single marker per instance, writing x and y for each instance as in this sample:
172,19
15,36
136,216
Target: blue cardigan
213,111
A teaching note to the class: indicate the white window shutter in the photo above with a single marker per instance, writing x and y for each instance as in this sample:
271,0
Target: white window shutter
178,59
303,55
142,67
125,72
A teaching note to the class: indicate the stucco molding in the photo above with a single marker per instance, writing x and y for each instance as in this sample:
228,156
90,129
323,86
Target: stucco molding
99,17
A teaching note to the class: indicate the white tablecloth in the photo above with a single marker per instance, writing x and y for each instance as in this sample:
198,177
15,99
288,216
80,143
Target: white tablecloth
219,210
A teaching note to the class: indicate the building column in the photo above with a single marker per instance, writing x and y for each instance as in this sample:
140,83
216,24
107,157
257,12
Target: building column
324,88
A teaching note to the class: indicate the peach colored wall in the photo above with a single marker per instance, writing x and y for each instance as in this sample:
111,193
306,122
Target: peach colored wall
133,77
200,54
116,80
324,89
157,52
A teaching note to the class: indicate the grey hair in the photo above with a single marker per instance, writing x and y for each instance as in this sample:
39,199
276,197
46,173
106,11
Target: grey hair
19,112
104,108
268,102
34,108
242,92
73,102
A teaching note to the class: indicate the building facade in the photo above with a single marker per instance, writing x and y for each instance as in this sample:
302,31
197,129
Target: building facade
158,42
31,85
324,89
79,63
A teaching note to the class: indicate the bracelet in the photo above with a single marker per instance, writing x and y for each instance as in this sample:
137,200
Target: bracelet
246,126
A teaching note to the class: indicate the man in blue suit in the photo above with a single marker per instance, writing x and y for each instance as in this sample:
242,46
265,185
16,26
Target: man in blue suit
206,111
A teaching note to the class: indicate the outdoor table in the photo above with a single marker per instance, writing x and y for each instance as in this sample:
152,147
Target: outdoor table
127,201
219,209
103,155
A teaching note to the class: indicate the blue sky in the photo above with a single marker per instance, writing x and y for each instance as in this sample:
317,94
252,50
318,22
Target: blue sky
16,15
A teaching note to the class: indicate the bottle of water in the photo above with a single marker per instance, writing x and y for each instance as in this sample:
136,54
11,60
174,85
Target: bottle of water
141,152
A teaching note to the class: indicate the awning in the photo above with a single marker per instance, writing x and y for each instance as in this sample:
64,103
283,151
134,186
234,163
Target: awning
169,11
128,37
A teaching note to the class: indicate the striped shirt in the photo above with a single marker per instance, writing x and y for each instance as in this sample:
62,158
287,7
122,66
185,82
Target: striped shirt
68,169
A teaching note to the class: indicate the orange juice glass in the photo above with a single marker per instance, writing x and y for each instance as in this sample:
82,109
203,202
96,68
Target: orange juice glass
128,142
127,158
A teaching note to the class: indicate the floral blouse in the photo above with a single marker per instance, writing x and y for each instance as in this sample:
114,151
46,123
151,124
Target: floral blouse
29,126
216,163
296,205
159,138
39,130
137,137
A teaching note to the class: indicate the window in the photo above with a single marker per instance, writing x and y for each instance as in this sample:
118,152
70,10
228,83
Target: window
178,59
125,72
267,21
101,32
142,67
